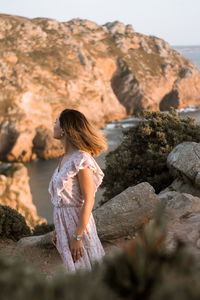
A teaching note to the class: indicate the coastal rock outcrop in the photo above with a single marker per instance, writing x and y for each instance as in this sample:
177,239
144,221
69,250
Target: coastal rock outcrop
15,192
155,78
107,72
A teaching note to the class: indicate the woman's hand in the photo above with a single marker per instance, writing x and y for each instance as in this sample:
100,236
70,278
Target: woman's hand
76,248
54,238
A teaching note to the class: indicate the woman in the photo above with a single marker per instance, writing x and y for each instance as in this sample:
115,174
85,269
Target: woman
72,189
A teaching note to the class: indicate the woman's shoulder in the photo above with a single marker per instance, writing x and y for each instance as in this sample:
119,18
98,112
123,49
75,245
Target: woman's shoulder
82,156
82,153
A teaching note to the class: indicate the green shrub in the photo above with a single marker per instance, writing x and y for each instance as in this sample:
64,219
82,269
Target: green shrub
43,228
142,155
12,224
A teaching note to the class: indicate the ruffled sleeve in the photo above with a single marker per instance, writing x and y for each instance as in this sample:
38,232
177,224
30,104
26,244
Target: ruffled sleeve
81,161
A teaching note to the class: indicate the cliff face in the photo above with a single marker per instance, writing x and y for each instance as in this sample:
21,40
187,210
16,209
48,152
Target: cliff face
103,71
15,192
150,75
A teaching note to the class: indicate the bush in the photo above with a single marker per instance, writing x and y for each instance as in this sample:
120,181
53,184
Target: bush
20,280
12,224
142,155
43,228
146,271
143,270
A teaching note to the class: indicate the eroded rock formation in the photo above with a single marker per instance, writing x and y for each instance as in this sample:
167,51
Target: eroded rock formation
104,71
15,192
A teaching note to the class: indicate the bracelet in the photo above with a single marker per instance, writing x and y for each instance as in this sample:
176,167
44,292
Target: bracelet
77,237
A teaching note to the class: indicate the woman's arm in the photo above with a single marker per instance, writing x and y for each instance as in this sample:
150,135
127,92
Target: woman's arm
86,182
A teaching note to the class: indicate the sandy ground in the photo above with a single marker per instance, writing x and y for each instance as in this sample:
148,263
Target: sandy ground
47,260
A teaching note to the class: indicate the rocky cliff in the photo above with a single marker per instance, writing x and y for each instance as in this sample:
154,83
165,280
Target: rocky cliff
104,71
15,192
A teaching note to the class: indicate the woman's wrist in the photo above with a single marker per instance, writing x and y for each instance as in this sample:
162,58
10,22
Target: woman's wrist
77,236
79,231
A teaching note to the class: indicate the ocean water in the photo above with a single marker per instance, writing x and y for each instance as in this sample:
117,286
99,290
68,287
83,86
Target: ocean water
191,52
40,171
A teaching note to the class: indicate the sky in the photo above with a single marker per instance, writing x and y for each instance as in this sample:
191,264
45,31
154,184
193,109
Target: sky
175,21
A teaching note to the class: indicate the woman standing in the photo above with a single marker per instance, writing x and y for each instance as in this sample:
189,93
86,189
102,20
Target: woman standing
72,189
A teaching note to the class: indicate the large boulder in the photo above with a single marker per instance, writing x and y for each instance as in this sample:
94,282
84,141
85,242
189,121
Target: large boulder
182,197
125,213
119,217
184,162
43,240
183,212
181,186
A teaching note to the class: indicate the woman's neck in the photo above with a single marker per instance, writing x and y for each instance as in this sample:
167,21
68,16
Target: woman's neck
68,148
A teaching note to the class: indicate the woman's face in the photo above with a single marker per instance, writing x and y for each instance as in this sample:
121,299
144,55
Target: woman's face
57,130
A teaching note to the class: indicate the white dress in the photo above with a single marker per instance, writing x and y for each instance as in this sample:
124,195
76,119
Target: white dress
67,200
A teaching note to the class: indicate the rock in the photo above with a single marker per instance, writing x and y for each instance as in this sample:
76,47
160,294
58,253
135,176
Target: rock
124,214
8,137
162,46
22,148
179,204
15,192
160,84
129,30
184,218
184,87
44,145
144,46
46,69
134,98
184,162
116,27
170,100
182,197
11,57
43,240
186,72
47,66
179,185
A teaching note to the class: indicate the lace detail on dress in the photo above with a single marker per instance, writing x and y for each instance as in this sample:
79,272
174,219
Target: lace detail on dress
80,161
64,186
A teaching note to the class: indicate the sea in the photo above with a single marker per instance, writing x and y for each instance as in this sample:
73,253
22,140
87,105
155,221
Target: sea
191,52
40,171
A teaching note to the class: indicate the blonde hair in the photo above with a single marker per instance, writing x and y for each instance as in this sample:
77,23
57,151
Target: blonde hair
81,133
